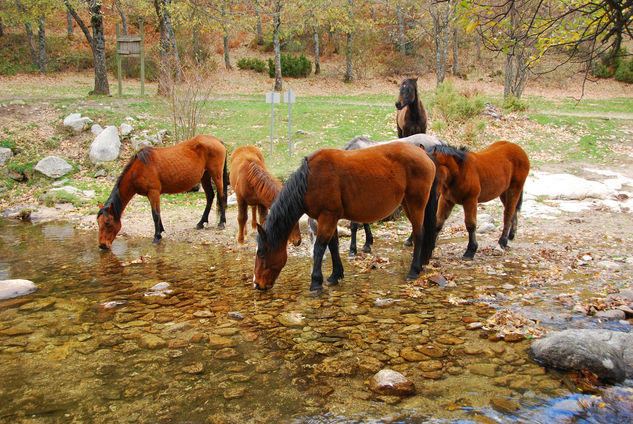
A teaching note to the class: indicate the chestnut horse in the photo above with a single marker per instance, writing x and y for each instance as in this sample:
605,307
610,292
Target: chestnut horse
360,185
174,169
468,178
255,187
411,115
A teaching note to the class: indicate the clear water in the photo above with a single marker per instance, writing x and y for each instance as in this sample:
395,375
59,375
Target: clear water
95,344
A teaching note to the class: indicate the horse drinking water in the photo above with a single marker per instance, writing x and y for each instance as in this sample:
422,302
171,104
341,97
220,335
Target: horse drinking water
255,187
411,115
468,178
174,169
332,184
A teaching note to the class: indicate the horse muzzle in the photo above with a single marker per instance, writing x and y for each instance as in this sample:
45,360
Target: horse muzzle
104,246
399,105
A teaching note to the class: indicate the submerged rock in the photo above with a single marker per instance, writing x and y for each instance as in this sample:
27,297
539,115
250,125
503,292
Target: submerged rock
15,288
392,383
608,354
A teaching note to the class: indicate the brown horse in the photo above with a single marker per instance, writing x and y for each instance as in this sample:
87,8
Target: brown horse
468,178
174,169
360,185
411,116
255,187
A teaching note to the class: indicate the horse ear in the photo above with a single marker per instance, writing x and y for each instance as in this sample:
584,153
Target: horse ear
262,233
415,79
100,205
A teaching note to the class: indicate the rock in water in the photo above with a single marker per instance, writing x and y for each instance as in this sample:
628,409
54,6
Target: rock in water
14,288
608,354
390,382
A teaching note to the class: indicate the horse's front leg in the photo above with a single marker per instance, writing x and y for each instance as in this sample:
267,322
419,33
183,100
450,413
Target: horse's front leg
154,201
369,239
326,228
316,283
417,234
242,216
208,191
470,219
337,265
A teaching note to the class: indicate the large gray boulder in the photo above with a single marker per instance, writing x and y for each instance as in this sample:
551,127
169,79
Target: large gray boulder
53,166
76,122
5,155
106,146
608,354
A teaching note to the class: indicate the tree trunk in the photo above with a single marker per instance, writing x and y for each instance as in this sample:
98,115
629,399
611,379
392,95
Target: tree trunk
402,42
227,59
41,46
69,24
30,37
98,49
167,50
197,49
260,33
317,63
124,30
349,68
441,14
456,71
277,45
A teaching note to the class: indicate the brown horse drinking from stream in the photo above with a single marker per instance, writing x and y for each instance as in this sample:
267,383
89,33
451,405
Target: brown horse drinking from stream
174,169
469,178
360,185
411,116
255,187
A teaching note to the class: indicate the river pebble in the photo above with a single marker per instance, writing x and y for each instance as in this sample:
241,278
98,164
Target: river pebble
391,383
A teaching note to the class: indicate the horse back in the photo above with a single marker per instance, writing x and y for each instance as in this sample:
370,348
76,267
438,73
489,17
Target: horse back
500,165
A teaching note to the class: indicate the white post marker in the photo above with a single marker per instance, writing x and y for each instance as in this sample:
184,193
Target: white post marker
290,98
272,98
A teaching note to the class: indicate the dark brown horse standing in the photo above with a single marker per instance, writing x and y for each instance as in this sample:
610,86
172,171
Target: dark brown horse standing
411,116
332,184
255,187
174,169
469,178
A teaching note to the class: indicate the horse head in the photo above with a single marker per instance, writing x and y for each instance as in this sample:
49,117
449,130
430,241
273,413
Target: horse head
408,93
268,262
295,235
447,162
109,227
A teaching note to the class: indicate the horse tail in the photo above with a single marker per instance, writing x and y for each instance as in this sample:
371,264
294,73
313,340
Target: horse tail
223,200
520,202
430,224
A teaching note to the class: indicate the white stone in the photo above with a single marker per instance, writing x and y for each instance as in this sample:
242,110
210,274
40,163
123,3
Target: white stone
565,187
106,146
5,155
96,129
53,166
15,288
125,129
76,122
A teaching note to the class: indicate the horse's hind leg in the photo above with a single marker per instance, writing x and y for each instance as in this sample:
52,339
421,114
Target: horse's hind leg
510,199
353,226
242,216
254,218
337,265
417,233
208,191
369,239
154,201
470,219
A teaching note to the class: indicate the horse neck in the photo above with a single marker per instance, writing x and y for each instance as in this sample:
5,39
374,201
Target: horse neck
126,190
265,185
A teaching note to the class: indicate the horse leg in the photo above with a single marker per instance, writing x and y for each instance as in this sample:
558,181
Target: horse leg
254,218
154,201
337,265
417,233
326,225
369,239
353,227
216,176
515,218
242,216
510,199
208,191
444,209
470,219
263,213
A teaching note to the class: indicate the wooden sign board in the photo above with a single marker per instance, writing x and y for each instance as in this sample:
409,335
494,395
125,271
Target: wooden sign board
129,45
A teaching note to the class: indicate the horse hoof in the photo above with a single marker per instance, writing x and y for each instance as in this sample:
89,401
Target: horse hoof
408,243
331,281
366,249
199,226
315,286
315,292
156,241
221,226
468,257
412,276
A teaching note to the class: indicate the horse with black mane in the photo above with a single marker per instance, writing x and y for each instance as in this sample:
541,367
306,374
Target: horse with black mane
255,187
359,142
411,116
468,178
332,184
174,169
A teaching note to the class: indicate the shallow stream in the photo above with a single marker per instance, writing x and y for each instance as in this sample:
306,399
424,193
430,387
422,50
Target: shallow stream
101,340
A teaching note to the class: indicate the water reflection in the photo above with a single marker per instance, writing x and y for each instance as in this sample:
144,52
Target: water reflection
91,345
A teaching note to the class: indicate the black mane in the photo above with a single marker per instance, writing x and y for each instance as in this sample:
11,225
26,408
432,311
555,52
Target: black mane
145,156
287,208
459,154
